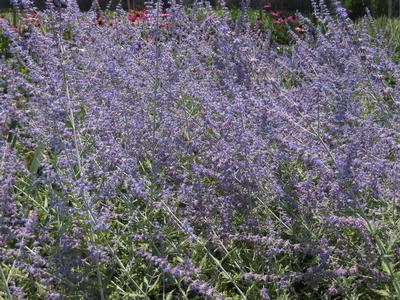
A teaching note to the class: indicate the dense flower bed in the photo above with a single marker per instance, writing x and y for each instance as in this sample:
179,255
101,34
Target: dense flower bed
186,156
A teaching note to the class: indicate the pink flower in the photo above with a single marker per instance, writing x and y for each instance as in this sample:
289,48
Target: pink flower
99,19
166,25
275,13
292,18
279,20
267,6
136,17
299,29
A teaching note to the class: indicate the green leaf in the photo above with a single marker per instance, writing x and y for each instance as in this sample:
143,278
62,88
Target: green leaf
154,286
383,293
169,295
203,261
35,162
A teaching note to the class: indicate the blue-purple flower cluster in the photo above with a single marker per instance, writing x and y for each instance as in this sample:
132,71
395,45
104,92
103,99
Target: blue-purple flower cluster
190,157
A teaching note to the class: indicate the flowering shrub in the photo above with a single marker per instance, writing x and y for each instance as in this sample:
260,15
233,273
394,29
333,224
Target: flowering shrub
275,23
197,161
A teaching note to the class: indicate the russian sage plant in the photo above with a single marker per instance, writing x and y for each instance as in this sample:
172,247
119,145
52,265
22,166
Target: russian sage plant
187,156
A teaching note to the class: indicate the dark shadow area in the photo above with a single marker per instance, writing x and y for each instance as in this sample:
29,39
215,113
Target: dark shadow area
84,5
356,8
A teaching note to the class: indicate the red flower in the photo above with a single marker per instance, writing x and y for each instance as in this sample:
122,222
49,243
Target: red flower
292,18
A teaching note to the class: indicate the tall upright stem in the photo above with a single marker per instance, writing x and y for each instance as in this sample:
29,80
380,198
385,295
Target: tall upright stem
4,279
78,157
